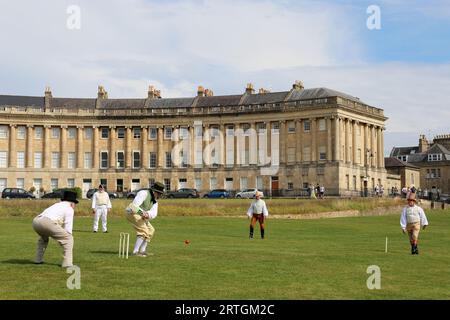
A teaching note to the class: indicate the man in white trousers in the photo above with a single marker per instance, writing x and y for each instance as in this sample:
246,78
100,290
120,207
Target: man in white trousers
101,205
56,222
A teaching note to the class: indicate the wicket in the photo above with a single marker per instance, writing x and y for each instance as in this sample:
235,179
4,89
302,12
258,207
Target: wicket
124,244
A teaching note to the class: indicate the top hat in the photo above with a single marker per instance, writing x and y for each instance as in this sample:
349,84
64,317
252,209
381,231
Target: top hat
158,187
69,196
412,197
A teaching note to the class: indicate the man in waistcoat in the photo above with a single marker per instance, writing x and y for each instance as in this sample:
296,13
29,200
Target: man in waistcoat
143,209
101,205
412,219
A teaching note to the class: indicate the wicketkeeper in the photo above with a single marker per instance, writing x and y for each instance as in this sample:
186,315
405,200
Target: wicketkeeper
411,220
257,212
144,208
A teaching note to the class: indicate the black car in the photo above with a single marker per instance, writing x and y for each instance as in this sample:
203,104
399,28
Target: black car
182,193
18,193
53,195
132,194
90,193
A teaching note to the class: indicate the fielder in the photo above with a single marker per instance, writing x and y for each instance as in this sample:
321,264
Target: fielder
144,208
101,205
257,212
56,222
412,218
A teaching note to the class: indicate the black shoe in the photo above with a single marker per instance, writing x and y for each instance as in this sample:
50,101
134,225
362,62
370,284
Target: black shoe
417,251
105,231
95,231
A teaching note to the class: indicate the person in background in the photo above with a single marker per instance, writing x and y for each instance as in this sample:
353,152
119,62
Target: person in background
257,212
101,205
412,219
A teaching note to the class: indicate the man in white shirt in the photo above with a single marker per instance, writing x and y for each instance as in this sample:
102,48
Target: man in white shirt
411,220
257,212
56,222
144,208
101,205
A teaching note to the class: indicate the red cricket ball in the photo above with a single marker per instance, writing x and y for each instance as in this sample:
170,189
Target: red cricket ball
186,242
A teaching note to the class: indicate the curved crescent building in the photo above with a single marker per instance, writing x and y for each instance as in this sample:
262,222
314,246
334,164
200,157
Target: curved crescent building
278,142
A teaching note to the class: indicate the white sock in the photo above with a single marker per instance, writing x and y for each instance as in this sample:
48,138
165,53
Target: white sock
138,244
143,246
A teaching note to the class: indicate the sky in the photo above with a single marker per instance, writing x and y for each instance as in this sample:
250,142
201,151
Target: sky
402,67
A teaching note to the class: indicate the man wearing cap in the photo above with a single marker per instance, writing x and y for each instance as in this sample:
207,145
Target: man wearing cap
144,208
257,212
411,220
101,205
56,222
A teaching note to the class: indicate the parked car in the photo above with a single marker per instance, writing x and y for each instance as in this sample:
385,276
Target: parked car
182,193
90,193
132,194
11,193
248,193
53,195
217,193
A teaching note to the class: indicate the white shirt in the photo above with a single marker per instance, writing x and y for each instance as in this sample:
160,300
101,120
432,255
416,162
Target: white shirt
422,216
101,194
258,206
62,213
140,198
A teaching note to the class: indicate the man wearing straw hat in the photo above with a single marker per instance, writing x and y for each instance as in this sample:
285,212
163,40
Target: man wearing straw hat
411,220
144,208
257,212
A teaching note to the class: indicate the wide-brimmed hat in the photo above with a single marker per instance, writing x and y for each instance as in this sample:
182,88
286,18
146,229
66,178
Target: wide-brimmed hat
158,187
258,193
69,196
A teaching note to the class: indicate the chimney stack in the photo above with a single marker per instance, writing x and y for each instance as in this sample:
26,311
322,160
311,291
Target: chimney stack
200,91
47,97
249,89
153,93
102,94
263,91
209,93
423,143
298,85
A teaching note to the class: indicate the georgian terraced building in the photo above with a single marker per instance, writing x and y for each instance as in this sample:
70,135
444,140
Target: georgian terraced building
278,142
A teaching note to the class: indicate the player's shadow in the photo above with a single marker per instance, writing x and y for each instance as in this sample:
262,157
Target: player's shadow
86,231
26,261
105,252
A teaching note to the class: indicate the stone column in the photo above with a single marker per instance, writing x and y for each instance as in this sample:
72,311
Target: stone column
299,144
95,151
176,159
237,145
80,150
63,148
222,144
253,145
12,146
347,140
283,143
112,147
207,140
160,147
374,146
354,142
313,139
144,147
128,158
337,140
329,141
382,146
47,156
30,146
379,148
191,146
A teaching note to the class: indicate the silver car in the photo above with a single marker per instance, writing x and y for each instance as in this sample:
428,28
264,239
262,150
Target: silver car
248,194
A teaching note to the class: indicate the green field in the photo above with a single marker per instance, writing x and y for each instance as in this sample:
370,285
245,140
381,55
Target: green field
299,259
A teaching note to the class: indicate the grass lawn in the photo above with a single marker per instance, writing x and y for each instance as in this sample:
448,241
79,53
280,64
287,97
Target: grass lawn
299,259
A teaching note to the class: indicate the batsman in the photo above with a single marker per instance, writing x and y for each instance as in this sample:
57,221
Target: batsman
257,212
139,213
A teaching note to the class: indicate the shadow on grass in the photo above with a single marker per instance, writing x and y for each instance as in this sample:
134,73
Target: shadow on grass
85,231
106,252
26,261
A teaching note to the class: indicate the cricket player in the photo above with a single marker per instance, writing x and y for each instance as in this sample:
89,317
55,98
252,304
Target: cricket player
56,222
144,208
101,205
257,212
411,220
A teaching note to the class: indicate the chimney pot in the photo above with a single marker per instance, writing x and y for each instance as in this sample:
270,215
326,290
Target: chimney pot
298,85
249,89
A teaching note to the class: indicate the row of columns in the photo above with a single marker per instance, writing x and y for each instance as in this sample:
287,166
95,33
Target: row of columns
344,146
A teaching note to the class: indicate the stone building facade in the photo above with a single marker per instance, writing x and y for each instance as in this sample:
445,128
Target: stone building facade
433,159
278,142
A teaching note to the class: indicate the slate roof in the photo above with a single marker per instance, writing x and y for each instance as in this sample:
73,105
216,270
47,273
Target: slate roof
394,162
22,101
316,93
404,151
72,103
